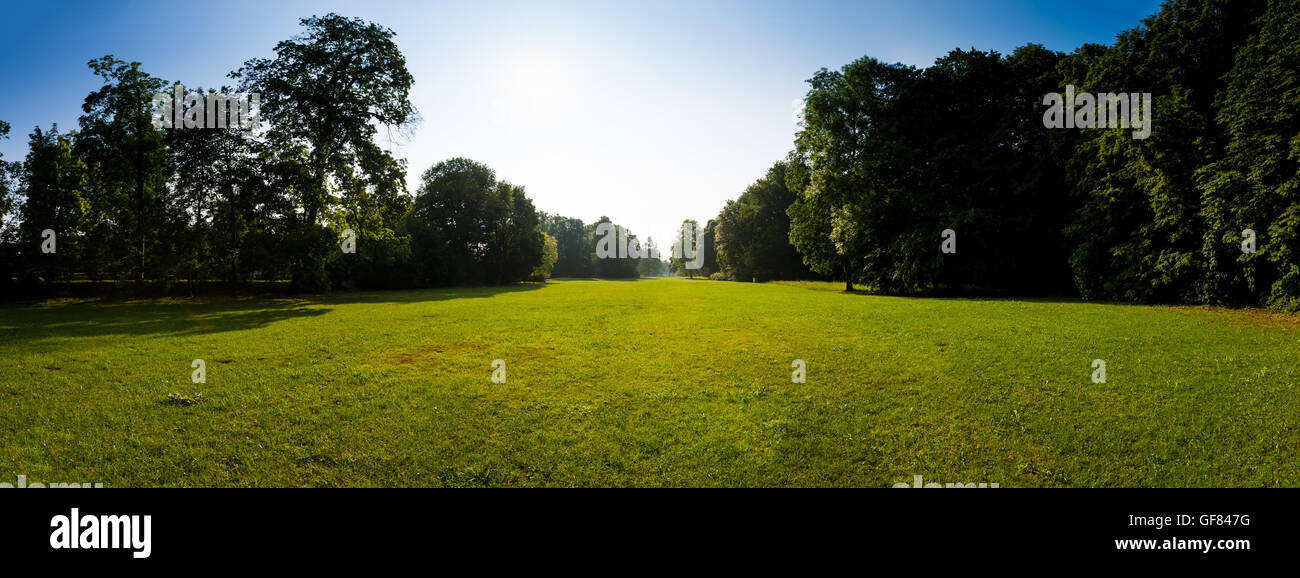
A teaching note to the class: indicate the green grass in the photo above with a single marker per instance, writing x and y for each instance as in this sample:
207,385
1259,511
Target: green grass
645,383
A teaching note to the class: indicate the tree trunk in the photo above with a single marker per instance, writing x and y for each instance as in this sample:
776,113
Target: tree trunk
140,207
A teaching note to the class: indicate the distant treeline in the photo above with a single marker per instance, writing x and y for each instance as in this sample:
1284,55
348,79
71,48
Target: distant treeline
890,156
576,251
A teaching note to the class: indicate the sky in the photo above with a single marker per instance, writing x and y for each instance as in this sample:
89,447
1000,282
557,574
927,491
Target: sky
646,112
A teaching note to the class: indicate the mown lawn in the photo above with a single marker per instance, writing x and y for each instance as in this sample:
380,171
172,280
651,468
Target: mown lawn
660,382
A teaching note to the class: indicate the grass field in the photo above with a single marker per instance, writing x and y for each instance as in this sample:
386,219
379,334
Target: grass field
658,382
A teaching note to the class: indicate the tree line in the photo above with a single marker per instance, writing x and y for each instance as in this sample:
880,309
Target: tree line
120,199
576,250
890,157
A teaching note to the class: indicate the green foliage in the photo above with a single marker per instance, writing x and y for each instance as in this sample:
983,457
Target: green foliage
979,173
326,92
550,254
1141,228
710,247
576,250
576,255
848,127
10,267
56,197
130,201
810,223
1255,184
678,260
652,266
6,201
890,156
215,174
701,240
516,245
753,232
467,227
128,169
614,266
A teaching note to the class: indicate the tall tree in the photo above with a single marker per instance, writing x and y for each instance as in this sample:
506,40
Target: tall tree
447,223
967,167
810,224
54,188
550,254
127,160
709,244
517,244
468,227
847,126
753,232
208,212
9,254
1255,185
1140,229
6,199
326,91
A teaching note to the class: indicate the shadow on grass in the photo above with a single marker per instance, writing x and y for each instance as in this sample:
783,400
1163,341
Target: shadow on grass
950,295
201,315
171,317
1043,299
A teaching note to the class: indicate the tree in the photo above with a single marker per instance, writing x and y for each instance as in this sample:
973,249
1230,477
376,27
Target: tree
1256,183
326,91
708,244
7,200
846,129
576,253
373,205
9,265
467,227
683,258
974,164
127,162
1140,229
211,211
550,254
517,244
54,187
651,266
810,224
753,232
446,221
618,242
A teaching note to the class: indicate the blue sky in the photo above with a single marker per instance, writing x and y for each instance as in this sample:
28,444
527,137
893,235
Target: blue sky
649,112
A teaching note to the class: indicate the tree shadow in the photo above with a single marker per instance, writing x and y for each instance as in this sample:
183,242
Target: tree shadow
174,317
73,318
1035,299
